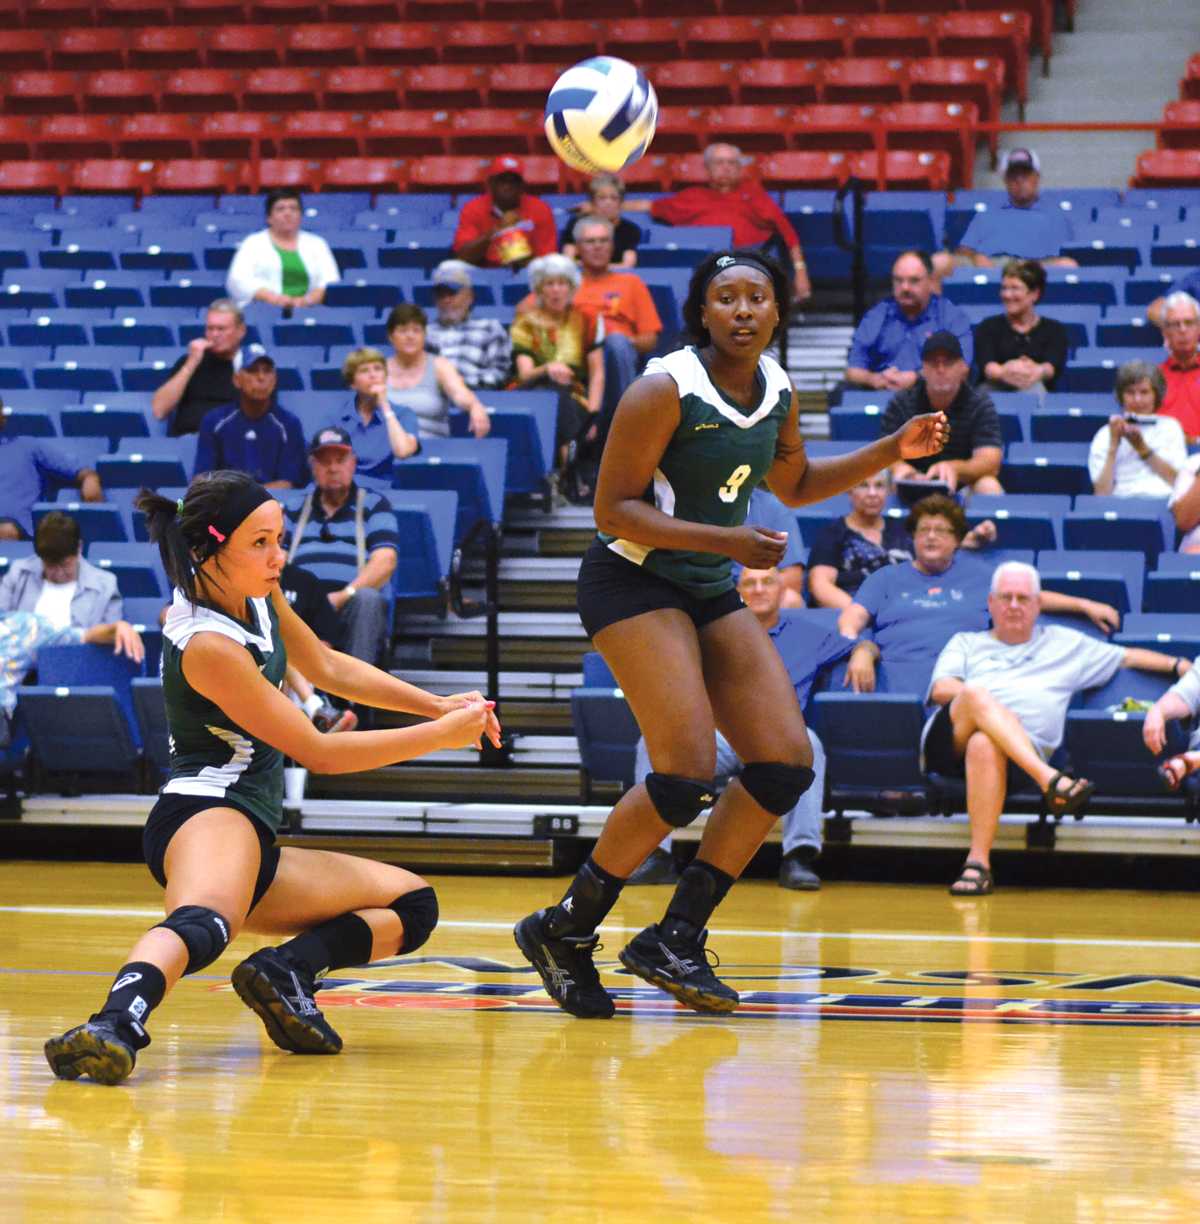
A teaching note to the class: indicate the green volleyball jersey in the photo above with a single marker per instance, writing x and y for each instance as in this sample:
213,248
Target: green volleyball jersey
716,457
211,756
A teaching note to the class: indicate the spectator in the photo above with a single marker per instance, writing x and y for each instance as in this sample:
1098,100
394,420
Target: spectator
202,379
971,459
1021,350
1023,227
378,432
1181,330
282,265
885,353
347,538
505,227
24,464
56,598
479,349
1184,504
1188,283
254,434
606,195
914,609
1181,700
763,591
1003,696
554,345
1138,453
308,600
755,218
766,510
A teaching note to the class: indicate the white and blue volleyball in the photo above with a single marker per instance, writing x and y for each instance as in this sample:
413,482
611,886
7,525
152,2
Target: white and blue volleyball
601,114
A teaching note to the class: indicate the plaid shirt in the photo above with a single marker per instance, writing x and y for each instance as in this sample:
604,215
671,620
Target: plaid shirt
478,348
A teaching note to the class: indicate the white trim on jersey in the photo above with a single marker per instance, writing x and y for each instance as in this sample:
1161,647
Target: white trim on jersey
184,621
664,500
214,781
688,372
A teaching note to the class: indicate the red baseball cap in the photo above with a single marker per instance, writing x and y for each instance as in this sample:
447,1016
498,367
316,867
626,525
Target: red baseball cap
506,165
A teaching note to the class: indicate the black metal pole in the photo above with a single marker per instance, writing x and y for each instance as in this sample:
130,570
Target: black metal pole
491,755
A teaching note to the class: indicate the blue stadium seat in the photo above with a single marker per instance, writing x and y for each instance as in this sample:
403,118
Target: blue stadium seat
75,376
1080,286
361,293
99,420
1110,576
1131,523
43,423
182,448
174,209
813,517
308,329
45,332
13,550
163,252
21,291
83,354
1109,246
110,289
417,248
1168,591
1071,418
184,290
426,521
1095,369
1079,203
1150,284
859,417
596,672
90,665
1022,520
1127,327
14,248
1168,202
98,521
1046,467
220,220
473,468
93,209
84,727
133,471
137,569
607,733
681,246
1175,246
526,420
1141,220
151,715
132,330
1172,633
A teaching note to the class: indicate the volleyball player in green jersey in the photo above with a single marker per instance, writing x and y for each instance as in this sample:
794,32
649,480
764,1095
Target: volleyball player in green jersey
689,441
210,838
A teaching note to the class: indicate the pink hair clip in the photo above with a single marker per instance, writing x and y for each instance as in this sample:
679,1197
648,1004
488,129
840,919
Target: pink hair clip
212,531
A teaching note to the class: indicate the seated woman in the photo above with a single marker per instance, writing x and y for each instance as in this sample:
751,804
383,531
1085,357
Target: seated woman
425,383
1020,350
379,431
282,265
555,346
606,194
1138,453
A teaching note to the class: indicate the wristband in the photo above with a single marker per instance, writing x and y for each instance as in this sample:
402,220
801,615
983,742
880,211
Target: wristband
350,590
1175,669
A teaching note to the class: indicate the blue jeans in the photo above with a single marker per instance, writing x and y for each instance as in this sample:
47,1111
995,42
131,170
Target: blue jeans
801,826
365,625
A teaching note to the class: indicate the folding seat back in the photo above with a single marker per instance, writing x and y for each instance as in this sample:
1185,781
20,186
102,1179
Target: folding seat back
98,521
1112,577
1046,467
426,521
473,468
607,733
78,729
151,716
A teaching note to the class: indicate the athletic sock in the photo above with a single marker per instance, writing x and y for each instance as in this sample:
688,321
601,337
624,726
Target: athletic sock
586,903
136,991
701,888
342,941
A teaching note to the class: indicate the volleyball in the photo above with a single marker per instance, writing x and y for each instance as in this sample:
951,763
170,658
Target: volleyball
601,114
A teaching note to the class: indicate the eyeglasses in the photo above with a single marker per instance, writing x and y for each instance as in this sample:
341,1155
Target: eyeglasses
1181,324
934,531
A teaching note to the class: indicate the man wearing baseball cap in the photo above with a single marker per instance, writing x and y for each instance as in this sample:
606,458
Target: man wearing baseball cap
1024,226
970,460
254,434
479,349
505,227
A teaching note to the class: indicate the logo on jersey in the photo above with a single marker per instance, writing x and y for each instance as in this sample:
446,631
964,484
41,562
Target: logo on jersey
707,425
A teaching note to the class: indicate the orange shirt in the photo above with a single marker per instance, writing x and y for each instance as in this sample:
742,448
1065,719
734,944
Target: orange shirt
620,299
1182,400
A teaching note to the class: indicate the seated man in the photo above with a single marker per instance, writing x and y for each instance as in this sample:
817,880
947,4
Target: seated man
971,458
308,600
762,592
479,349
1003,696
1184,504
885,352
1181,700
766,510
914,608
347,538
56,598
254,434
1181,330
505,227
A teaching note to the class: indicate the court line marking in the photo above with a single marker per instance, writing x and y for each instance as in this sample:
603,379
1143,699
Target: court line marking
466,924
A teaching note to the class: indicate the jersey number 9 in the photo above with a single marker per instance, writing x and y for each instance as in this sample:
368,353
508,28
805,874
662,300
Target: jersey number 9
729,490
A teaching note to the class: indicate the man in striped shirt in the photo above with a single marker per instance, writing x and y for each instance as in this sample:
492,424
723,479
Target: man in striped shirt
348,539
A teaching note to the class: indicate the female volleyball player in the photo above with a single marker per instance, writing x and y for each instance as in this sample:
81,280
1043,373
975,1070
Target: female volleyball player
210,838
689,441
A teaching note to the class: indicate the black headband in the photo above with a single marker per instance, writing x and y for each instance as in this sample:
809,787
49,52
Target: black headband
233,512
725,262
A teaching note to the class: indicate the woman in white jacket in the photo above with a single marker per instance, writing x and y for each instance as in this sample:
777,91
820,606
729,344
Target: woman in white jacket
282,265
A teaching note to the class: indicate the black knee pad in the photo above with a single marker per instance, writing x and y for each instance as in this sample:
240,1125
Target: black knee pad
775,786
418,910
204,932
679,800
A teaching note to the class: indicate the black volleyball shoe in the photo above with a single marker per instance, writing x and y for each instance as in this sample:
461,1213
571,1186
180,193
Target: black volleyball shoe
679,965
281,995
103,1049
566,968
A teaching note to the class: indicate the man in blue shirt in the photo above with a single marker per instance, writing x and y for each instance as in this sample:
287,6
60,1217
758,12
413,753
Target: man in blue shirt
885,353
252,435
1023,227
766,510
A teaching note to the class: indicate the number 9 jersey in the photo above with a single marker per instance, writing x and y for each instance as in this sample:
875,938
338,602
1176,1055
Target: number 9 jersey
716,457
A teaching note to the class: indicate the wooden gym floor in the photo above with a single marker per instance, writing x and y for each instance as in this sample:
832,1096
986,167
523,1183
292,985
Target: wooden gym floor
899,1055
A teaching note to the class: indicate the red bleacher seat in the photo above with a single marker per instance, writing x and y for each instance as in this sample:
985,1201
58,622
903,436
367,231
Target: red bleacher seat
1189,87
1168,168
948,126
207,90
59,14
808,35
482,42
367,11
364,174
683,129
724,37
893,34
167,47
32,176
543,172
37,92
122,91
302,173
323,44
282,89
1181,125
1001,35
697,83
750,127
447,173
642,39
904,169
322,134
446,85
77,135
401,42
649,173
124,174
239,134
843,7
209,12
811,170
520,85
779,82
406,133
442,10
951,79
199,175
483,129
833,125
561,42
245,46
22,49
864,80
154,136
1041,16
346,88
18,134
282,13
136,13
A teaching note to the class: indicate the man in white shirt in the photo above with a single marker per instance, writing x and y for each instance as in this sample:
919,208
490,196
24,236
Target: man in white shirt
1139,453
1184,504
1181,700
1003,696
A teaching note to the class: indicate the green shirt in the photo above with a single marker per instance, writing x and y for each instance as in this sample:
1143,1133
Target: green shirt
719,453
295,274
211,756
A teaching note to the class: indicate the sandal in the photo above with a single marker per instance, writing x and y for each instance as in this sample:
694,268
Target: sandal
1175,769
1068,801
976,884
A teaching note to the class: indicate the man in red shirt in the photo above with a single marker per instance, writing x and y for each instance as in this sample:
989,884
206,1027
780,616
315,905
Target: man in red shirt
756,218
1181,330
505,227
